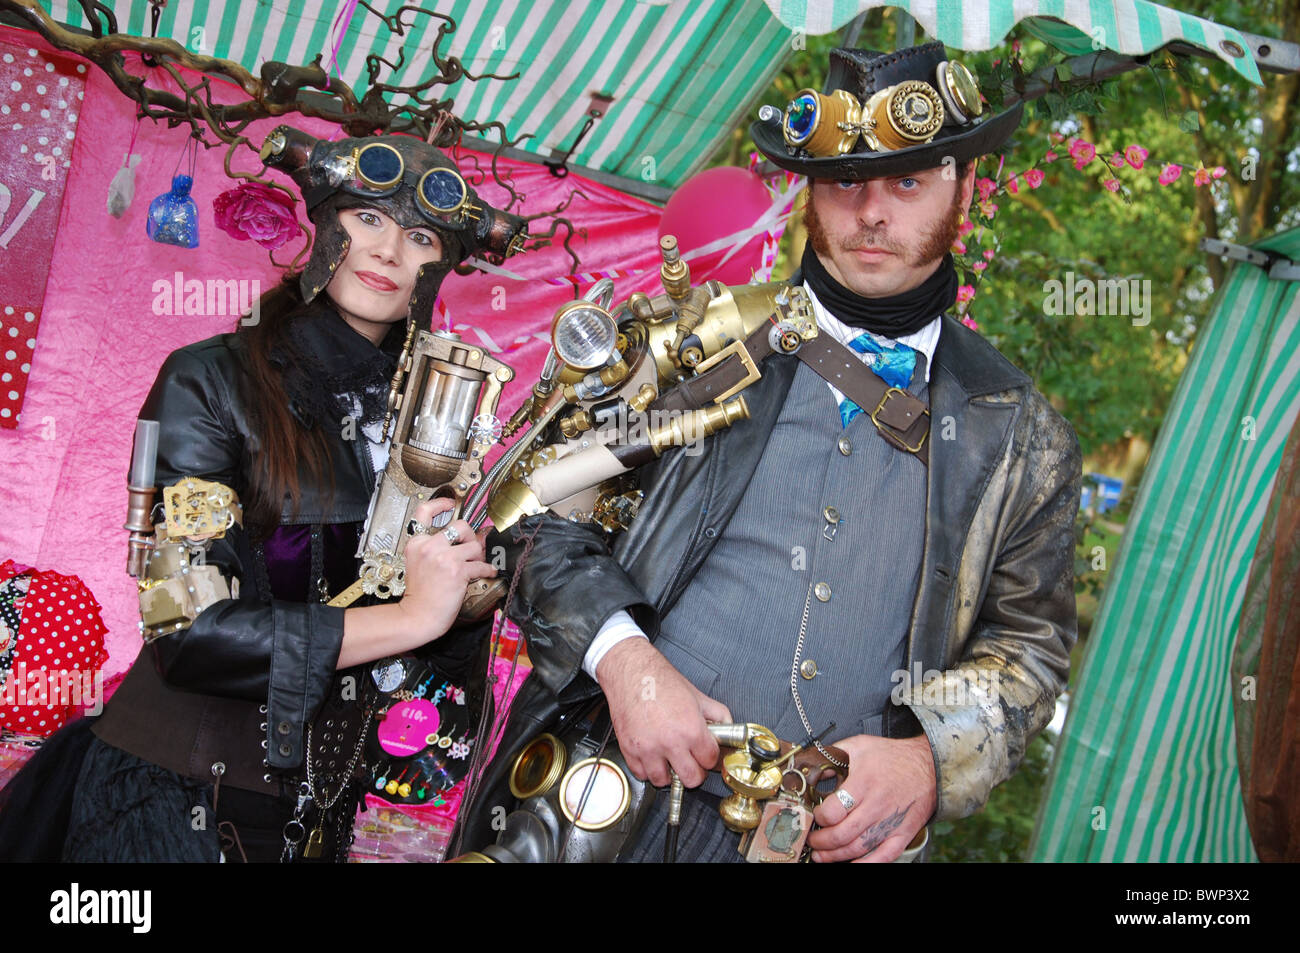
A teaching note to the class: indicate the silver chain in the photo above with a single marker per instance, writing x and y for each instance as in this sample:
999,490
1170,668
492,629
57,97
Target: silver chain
307,792
347,772
794,682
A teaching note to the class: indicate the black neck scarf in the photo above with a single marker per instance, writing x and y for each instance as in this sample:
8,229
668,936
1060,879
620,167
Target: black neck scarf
894,316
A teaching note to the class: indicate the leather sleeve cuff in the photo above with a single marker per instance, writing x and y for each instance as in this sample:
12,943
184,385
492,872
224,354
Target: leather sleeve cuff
567,585
978,718
305,651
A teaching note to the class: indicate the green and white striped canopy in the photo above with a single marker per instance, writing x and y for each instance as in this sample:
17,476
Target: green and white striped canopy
1073,26
681,72
1147,765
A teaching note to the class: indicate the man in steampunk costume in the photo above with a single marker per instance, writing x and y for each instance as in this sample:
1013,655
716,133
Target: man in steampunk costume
791,572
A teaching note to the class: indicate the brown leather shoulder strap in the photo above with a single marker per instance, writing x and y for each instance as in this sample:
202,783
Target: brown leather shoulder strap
901,419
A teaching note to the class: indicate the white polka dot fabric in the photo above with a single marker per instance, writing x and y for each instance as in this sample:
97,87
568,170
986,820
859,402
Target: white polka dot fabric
59,650
40,100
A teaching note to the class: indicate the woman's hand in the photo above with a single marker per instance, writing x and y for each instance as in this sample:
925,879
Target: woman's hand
437,572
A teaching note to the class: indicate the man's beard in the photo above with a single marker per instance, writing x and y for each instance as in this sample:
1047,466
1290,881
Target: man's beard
936,241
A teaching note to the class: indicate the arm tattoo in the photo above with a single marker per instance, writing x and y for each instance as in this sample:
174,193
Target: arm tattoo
876,834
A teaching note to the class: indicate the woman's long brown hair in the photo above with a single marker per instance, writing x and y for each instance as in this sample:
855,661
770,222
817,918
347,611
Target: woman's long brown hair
283,449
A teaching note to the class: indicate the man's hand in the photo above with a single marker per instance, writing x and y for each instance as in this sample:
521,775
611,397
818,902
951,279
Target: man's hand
895,793
658,715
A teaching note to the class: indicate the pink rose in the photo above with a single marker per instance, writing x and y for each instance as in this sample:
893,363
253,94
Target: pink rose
980,265
1116,160
1170,173
965,293
959,247
988,254
1218,171
970,322
1034,177
1013,185
986,186
1049,156
255,212
1082,152
1112,184
1201,176
1135,155
966,227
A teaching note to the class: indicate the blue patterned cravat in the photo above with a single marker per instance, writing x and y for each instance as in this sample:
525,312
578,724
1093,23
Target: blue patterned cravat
892,364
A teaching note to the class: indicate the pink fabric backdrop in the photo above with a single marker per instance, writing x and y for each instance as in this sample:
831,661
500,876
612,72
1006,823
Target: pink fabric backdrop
62,494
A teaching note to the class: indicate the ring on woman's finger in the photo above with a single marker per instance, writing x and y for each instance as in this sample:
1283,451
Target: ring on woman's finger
452,534
416,528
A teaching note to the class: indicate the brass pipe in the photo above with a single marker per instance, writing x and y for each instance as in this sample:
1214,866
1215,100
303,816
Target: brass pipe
682,429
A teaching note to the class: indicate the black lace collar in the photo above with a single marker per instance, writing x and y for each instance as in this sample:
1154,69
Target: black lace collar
326,365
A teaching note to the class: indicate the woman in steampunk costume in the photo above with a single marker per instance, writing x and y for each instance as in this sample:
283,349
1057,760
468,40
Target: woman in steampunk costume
244,732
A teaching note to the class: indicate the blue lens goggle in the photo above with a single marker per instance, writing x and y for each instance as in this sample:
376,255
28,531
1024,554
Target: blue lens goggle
377,169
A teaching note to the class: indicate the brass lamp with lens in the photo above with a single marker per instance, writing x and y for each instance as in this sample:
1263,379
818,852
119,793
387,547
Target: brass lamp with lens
584,335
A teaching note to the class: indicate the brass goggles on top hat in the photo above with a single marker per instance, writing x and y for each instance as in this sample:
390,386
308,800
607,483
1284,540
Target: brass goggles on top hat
906,114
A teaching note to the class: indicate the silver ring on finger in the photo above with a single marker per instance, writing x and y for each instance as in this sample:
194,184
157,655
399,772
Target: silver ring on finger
452,534
845,798
416,528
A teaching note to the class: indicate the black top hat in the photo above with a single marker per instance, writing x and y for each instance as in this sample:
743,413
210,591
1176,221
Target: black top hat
887,114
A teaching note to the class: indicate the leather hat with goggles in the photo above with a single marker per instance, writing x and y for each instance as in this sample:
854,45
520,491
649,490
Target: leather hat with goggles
886,114
412,182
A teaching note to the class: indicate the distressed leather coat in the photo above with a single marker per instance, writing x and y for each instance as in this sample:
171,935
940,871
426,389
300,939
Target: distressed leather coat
993,619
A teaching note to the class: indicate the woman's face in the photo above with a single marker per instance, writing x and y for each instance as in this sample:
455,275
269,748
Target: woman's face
372,287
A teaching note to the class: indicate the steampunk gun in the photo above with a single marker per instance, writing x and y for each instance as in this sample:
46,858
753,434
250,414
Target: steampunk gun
445,397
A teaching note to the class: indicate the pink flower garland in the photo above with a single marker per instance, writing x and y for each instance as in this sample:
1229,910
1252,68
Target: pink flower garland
1083,153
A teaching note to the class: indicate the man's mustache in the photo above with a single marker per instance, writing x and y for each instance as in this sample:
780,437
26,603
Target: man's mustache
868,240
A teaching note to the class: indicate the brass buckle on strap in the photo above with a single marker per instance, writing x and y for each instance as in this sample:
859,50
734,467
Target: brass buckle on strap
891,434
747,362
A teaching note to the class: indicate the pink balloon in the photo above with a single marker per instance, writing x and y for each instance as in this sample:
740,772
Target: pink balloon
711,205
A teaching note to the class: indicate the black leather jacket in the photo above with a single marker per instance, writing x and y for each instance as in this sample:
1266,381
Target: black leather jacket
996,597
240,685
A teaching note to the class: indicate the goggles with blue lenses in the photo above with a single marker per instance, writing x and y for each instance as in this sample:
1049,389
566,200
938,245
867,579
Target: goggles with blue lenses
377,170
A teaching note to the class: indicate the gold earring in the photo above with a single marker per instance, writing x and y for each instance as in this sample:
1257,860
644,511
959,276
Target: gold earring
961,218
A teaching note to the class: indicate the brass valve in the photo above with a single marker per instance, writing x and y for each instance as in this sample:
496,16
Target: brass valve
643,397
576,423
674,273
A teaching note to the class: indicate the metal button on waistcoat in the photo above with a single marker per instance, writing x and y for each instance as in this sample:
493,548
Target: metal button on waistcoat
284,728
822,591
832,515
845,445
285,751
808,668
